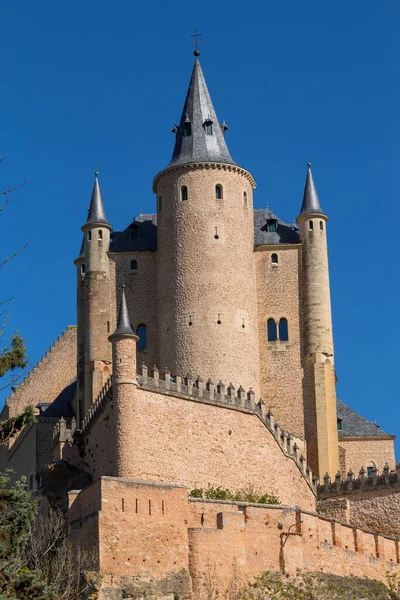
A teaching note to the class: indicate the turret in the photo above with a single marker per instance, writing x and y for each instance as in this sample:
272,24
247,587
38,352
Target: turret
206,281
123,342
96,298
319,372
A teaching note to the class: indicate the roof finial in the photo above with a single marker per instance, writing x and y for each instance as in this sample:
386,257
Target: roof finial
196,41
309,161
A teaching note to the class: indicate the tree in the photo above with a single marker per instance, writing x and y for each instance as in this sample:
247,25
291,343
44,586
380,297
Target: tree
13,355
37,561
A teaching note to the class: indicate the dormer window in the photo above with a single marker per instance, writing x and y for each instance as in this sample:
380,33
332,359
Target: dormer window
187,129
271,225
208,127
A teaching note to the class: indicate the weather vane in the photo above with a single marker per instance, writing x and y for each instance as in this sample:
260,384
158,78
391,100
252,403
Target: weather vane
196,41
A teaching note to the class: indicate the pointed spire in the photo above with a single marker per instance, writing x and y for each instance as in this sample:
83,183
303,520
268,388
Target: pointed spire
124,327
199,137
97,213
311,203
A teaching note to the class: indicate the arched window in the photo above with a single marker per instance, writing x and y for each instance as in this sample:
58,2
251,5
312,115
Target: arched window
141,332
283,330
187,129
321,225
245,199
370,467
274,258
271,329
134,265
218,191
100,234
184,193
160,203
83,269
311,225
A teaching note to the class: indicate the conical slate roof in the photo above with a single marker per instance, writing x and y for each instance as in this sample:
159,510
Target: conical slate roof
97,214
310,199
124,323
195,142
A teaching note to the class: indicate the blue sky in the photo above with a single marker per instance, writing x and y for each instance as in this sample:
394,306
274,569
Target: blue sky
86,85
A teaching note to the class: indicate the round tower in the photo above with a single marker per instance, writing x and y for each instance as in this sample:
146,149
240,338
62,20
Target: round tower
123,342
318,356
206,289
96,298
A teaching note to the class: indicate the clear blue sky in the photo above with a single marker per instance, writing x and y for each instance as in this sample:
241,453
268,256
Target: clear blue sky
100,84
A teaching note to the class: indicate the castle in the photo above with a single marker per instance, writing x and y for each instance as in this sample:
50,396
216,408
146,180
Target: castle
203,355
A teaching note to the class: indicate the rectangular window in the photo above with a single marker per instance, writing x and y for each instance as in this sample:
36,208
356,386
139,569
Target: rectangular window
339,425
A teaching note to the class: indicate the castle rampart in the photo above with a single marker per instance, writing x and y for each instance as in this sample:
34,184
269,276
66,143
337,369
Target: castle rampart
211,425
53,372
153,540
372,502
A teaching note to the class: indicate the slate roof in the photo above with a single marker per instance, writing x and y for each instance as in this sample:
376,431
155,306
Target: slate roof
284,234
197,110
145,238
310,198
97,214
61,406
124,323
354,425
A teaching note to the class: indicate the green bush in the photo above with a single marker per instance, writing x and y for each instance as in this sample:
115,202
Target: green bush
246,494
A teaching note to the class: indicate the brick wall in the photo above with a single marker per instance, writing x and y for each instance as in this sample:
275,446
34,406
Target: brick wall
281,372
153,541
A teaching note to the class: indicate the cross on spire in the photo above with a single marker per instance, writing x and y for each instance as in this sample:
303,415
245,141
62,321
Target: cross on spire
196,41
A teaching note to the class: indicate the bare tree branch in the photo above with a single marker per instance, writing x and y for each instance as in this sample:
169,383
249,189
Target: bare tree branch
14,189
15,253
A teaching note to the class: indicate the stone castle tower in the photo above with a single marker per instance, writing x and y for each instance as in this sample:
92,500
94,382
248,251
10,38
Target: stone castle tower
206,289
218,292
214,366
319,373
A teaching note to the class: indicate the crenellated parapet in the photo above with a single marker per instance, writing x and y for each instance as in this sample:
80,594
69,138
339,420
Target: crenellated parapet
227,396
363,483
98,405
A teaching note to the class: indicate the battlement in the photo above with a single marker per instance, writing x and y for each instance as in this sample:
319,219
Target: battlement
363,483
153,531
220,395
41,384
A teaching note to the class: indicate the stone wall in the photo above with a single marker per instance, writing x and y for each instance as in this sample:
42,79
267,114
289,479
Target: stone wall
154,541
141,296
370,502
281,373
48,378
194,443
142,534
206,292
372,451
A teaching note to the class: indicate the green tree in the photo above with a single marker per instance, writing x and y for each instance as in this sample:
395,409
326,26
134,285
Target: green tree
37,562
